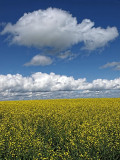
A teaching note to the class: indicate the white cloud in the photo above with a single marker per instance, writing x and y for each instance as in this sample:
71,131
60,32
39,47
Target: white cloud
38,84
64,55
115,65
39,60
99,37
57,29
67,55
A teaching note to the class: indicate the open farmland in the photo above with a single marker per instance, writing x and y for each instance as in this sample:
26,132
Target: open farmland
69,129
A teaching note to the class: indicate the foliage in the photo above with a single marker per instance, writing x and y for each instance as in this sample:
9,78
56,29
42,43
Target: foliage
68,129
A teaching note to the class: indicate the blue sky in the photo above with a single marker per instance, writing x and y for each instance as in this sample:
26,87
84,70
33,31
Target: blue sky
49,48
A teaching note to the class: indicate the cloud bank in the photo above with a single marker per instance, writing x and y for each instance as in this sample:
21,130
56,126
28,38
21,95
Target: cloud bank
43,85
115,65
57,29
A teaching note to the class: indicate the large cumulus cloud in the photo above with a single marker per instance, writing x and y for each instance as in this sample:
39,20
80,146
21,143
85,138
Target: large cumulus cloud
40,84
57,29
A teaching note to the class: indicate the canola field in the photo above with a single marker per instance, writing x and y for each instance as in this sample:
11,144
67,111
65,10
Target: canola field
67,129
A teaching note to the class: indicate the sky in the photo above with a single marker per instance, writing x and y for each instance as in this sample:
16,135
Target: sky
59,49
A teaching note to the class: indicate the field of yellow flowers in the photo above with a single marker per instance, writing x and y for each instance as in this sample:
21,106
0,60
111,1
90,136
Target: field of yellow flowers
68,129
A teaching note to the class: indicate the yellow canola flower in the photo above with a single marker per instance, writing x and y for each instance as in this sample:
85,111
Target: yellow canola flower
60,129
